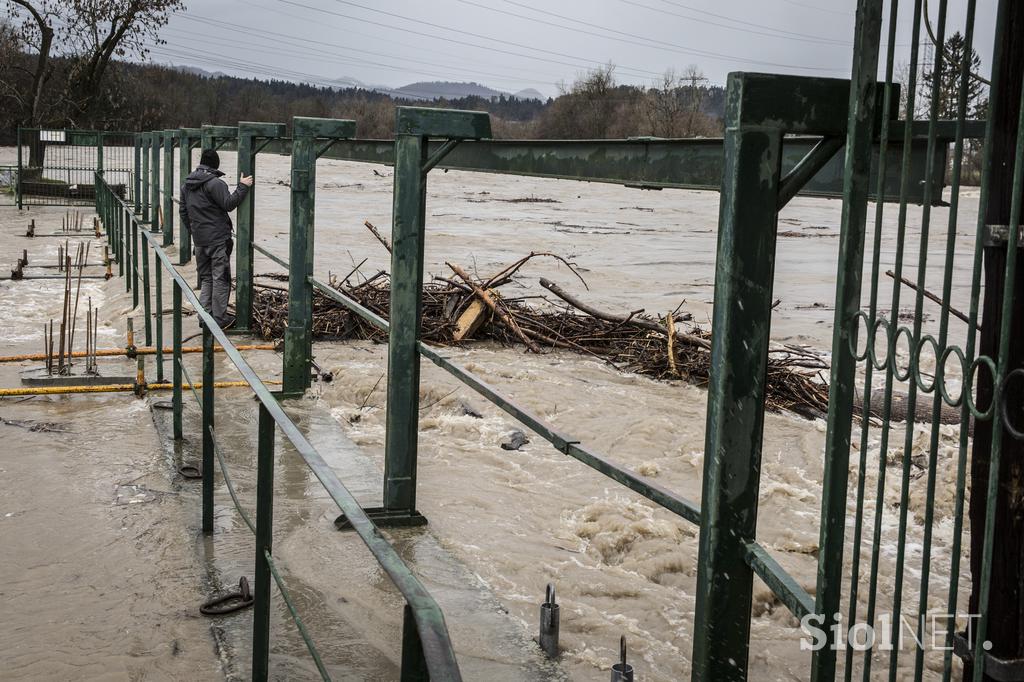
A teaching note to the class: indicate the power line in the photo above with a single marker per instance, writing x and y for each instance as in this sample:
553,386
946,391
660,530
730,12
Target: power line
265,71
793,36
348,30
820,9
650,42
643,73
340,59
806,37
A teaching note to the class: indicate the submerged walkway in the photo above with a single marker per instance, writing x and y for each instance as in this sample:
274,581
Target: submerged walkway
105,566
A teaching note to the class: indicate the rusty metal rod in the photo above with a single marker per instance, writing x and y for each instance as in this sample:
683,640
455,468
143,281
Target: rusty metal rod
114,388
145,350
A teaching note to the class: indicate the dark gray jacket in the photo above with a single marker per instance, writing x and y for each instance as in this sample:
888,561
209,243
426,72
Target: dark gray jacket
205,204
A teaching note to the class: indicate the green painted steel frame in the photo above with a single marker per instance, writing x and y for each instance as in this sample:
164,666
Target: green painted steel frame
650,163
413,126
298,338
169,137
760,110
250,135
188,139
145,142
155,144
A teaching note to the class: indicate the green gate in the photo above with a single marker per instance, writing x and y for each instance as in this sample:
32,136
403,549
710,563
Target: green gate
56,166
905,358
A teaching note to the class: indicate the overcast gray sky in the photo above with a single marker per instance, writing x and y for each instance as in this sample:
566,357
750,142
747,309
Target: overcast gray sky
512,45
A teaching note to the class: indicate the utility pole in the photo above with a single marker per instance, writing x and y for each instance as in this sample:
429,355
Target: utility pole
1005,607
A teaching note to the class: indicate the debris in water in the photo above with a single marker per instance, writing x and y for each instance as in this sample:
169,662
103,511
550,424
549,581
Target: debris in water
516,440
630,342
34,426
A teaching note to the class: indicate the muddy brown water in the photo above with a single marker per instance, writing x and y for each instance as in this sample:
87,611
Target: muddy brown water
515,520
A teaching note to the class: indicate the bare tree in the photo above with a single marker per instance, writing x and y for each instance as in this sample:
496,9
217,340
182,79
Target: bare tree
676,107
32,26
81,37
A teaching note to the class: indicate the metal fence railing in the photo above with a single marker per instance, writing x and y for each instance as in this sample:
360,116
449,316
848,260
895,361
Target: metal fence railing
56,166
426,649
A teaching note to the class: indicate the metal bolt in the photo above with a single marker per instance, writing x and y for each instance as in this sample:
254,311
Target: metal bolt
549,623
622,671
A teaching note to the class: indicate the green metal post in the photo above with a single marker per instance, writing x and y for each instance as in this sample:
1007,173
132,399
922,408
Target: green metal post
249,134
145,179
126,240
21,168
413,127
168,189
159,300
186,140
298,337
137,175
300,237
735,416
264,545
208,427
99,151
176,359
403,394
115,220
154,180
147,306
842,383
135,257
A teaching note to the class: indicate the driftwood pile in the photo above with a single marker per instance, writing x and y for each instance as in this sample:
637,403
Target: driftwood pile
464,308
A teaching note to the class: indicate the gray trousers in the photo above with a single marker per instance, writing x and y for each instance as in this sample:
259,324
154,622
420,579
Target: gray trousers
213,264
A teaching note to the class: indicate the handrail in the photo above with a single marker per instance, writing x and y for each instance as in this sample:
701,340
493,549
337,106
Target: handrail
563,443
429,619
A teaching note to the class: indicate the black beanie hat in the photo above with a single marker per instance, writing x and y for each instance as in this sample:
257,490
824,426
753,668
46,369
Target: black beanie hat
210,158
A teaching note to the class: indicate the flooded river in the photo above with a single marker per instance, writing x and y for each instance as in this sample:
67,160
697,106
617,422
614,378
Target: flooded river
512,521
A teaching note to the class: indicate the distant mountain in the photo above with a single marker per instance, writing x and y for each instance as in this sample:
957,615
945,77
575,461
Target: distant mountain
196,71
530,93
428,90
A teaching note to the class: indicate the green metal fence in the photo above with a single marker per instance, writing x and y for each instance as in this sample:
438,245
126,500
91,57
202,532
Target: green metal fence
56,166
876,344
426,650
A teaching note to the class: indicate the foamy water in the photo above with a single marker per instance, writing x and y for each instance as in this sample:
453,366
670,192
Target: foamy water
522,519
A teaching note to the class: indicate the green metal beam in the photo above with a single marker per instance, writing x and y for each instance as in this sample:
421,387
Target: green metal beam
298,338
650,163
452,124
187,137
778,580
146,140
744,273
137,175
215,137
155,142
169,137
249,134
412,127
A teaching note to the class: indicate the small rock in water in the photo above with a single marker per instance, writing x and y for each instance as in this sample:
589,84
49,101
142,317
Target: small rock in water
470,411
516,440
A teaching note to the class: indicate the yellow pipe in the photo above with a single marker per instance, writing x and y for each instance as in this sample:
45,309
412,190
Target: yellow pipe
145,350
114,388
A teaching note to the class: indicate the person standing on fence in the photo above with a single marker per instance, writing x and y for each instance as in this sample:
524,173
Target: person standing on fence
205,204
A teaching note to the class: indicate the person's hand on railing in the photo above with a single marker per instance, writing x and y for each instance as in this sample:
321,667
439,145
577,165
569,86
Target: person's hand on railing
246,180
